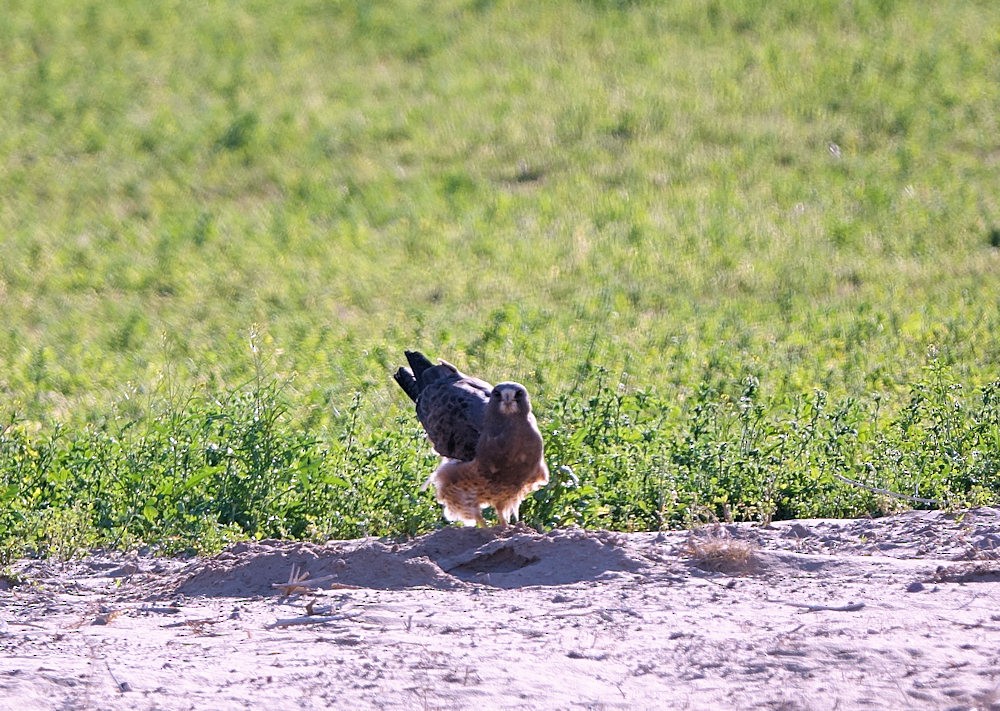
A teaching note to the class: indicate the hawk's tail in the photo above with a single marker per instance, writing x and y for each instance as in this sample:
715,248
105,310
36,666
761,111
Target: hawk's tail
404,376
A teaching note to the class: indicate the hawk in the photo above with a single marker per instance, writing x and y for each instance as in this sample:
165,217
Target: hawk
507,461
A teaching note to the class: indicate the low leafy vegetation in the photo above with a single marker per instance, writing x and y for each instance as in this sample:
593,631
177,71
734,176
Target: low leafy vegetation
741,253
210,470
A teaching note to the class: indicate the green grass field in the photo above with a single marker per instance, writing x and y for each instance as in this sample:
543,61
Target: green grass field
733,248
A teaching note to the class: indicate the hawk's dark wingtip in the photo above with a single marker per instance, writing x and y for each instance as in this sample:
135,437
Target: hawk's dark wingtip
418,362
410,378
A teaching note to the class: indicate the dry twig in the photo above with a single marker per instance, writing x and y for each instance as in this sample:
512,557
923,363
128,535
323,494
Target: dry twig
160,610
887,492
311,620
106,618
299,582
850,607
122,686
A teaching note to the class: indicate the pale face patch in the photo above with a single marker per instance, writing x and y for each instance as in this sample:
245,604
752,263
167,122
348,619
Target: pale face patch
509,397
508,405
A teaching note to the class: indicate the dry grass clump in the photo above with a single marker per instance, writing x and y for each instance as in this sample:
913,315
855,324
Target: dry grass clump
712,548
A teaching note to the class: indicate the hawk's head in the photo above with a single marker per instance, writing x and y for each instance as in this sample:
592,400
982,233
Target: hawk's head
511,398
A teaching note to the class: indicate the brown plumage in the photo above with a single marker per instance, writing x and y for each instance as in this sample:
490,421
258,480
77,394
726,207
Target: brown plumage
508,465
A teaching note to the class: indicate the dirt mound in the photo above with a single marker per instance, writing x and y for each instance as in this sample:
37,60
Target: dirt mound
454,557
444,560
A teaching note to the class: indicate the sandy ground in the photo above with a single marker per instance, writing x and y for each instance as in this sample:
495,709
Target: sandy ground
892,613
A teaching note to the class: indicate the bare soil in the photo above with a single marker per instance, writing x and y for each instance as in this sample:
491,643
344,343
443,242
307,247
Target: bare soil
891,613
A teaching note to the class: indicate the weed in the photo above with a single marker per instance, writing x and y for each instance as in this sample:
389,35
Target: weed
712,548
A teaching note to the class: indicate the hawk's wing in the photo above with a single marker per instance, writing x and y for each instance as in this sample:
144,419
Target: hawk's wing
450,404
